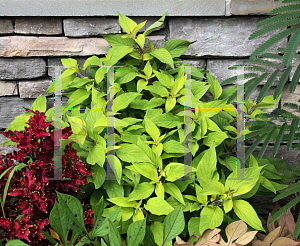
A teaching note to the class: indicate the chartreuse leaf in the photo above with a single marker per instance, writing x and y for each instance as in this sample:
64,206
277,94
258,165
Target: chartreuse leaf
173,225
94,60
147,170
126,23
267,184
119,53
113,188
99,175
136,232
243,186
246,213
138,215
170,104
155,25
207,167
122,202
142,191
113,234
148,69
124,100
200,197
158,206
174,191
177,47
157,230
164,56
213,188
137,28
96,155
140,40
151,129
178,84
19,123
215,86
166,80
160,190
227,205
16,242
216,137
77,97
210,218
40,104
99,76
176,171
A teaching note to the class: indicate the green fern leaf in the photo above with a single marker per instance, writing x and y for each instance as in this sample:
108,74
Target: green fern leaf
253,68
271,55
278,18
283,9
254,85
267,86
294,188
263,63
272,41
273,27
294,125
282,82
295,79
289,1
255,133
292,106
291,48
253,146
284,209
235,78
279,138
266,143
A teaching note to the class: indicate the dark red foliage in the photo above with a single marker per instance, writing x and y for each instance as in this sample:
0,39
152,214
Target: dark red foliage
31,195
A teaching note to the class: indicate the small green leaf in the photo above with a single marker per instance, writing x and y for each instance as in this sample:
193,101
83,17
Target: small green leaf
164,56
127,24
16,242
173,225
158,206
152,129
174,191
136,233
177,47
155,25
210,218
122,202
40,104
142,191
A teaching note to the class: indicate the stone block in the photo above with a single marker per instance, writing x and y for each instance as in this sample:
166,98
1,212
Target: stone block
8,88
51,46
199,63
92,26
30,68
38,25
6,26
150,21
4,148
288,97
219,68
34,88
250,7
220,36
156,40
11,107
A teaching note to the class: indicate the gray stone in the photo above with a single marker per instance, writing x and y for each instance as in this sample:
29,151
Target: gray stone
220,69
288,97
50,101
199,63
4,148
220,36
34,88
11,107
6,26
150,21
30,68
57,62
84,27
8,88
250,7
111,8
38,25
51,46
156,40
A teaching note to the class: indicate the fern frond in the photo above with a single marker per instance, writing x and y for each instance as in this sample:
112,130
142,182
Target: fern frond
292,106
294,126
284,114
251,88
291,48
283,9
253,146
295,79
290,1
273,27
272,41
271,55
266,143
263,63
235,78
278,18
253,68
297,229
279,138
259,123
282,82
267,86
255,133
294,188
